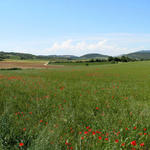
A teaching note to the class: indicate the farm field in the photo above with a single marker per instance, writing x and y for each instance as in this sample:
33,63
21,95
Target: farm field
27,64
95,107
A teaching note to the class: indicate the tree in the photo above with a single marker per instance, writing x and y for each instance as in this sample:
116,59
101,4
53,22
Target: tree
110,58
117,59
124,59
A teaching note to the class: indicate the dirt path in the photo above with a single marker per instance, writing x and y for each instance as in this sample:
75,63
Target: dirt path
46,64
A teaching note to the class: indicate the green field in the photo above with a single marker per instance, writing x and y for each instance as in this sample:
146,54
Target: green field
95,107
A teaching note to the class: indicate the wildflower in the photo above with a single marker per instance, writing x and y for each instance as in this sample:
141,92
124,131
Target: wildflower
97,108
80,132
145,133
87,127
107,134
106,139
85,132
134,128
93,133
98,132
100,137
142,144
118,133
61,88
116,141
24,129
133,143
123,144
145,129
82,138
21,144
41,120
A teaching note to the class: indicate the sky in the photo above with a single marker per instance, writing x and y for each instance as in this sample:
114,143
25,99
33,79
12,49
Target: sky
74,27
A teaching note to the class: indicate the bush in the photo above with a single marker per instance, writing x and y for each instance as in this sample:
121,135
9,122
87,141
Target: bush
11,69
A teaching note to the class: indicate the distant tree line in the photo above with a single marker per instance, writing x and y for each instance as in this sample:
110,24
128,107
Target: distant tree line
10,55
120,59
3,56
113,59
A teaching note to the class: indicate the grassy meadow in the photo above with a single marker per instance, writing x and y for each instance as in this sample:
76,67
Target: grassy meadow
95,107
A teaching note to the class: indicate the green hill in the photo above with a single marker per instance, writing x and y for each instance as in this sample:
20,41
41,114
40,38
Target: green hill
94,55
143,54
13,55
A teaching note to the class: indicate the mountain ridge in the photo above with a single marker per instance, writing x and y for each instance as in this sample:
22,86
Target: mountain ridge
13,55
142,54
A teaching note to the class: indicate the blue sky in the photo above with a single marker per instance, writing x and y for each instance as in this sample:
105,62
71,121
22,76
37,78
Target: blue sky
74,27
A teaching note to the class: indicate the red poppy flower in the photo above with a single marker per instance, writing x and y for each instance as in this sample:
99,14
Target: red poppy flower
90,130
142,144
62,88
106,139
107,134
134,128
85,132
100,137
93,133
145,129
21,144
41,120
116,141
133,143
123,144
97,108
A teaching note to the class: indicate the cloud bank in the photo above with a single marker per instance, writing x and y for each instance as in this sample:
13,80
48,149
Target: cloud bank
108,44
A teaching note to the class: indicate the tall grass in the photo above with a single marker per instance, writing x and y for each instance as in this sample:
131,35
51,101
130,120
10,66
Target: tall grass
81,108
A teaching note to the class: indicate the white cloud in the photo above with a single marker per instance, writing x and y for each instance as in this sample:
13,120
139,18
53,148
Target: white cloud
109,44
77,47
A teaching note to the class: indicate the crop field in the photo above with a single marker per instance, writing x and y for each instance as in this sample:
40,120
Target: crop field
26,64
97,107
